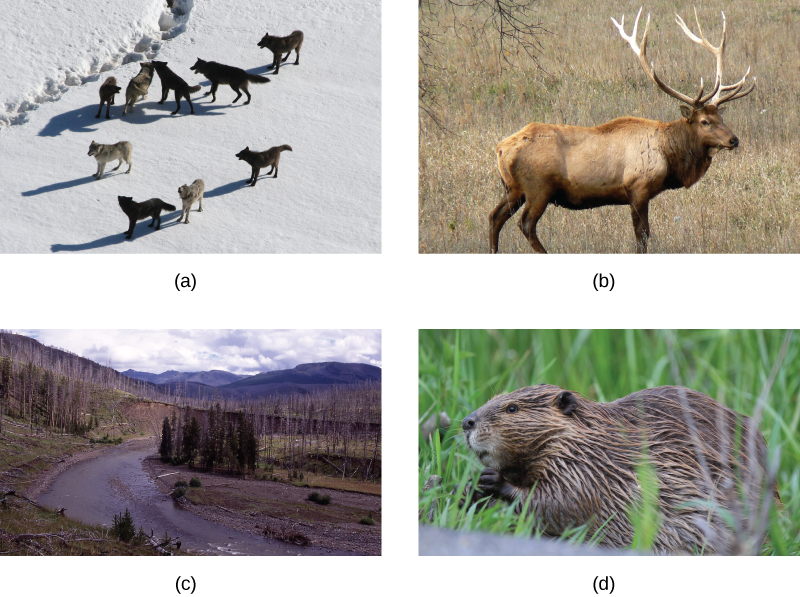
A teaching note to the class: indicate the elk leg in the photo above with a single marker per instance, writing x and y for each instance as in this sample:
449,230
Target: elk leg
510,204
641,224
530,218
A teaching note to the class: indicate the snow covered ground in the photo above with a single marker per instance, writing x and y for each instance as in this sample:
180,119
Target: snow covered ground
55,54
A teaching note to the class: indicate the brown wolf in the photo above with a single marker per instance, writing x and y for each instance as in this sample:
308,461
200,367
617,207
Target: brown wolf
226,75
262,159
279,45
138,86
139,211
107,92
190,193
169,80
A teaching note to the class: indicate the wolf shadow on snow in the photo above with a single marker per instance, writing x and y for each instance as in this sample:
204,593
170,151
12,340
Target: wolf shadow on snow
141,231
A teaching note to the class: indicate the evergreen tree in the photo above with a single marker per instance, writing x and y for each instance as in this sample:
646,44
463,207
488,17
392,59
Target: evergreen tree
166,441
208,450
191,440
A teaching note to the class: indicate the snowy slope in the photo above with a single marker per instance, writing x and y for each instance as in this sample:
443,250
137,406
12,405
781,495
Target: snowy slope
31,73
327,196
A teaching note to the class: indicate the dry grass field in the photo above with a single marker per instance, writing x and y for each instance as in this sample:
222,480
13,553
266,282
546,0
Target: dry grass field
748,201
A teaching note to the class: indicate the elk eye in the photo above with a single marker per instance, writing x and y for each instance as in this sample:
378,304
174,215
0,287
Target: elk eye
511,408
704,122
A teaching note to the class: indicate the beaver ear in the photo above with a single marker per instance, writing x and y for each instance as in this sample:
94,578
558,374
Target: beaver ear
566,402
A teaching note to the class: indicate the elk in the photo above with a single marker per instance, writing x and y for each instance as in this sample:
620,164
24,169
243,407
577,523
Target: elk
626,161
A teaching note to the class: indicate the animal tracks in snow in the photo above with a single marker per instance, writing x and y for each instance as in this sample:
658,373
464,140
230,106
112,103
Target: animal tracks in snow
78,48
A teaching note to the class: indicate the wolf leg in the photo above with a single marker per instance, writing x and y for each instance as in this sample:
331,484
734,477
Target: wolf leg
213,91
118,165
177,101
100,110
238,93
256,172
101,166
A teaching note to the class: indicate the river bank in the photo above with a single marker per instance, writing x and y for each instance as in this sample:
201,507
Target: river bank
277,509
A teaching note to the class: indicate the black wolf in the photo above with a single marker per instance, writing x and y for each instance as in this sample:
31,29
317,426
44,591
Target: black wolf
279,45
262,159
227,75
107,92
139,211
169,80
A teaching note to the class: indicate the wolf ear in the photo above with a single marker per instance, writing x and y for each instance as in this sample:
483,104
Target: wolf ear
566,402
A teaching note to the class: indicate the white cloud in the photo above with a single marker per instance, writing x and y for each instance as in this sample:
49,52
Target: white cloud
237,351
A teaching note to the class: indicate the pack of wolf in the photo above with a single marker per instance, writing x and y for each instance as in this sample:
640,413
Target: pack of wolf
217,74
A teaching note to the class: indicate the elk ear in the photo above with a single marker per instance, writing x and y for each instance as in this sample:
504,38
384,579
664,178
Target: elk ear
721,110
687,112
566,402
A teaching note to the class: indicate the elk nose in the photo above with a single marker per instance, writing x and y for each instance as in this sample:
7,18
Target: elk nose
468,423
734,141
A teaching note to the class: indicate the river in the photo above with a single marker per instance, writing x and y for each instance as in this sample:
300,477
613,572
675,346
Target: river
95,490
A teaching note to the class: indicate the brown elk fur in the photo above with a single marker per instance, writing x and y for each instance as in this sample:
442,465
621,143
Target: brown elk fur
627,161
576,462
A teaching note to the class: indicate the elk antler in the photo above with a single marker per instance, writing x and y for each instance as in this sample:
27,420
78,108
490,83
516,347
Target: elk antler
714,97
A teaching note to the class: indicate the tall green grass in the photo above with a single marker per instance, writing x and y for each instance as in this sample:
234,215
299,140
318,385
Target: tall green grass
459,370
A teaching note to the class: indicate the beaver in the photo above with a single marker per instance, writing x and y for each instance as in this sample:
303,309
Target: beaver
579,459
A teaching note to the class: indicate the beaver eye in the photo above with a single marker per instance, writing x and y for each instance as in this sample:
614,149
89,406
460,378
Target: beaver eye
511,408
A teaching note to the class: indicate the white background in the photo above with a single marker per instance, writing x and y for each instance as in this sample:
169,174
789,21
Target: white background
399,292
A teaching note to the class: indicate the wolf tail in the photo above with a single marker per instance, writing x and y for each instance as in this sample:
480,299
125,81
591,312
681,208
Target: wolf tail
284,148
257,79
167,206
195,89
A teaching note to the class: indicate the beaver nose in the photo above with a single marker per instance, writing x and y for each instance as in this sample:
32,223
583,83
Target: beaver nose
734,141
468,423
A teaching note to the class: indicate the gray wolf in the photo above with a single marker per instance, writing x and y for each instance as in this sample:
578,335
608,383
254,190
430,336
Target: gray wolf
258,160
191,193
108,153
139,211
138,86
279,45
227,75
107,92
169,80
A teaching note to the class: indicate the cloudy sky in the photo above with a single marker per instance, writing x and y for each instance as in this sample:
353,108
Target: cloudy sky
237,351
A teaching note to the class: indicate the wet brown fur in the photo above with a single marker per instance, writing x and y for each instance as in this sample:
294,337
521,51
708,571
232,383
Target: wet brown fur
108,90
579,458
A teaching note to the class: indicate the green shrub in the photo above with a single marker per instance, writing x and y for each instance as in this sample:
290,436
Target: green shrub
195,482
178,493
322,500
367,520
181,484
